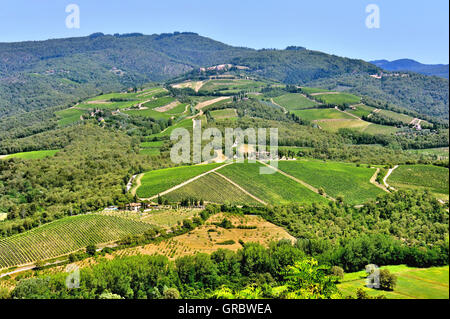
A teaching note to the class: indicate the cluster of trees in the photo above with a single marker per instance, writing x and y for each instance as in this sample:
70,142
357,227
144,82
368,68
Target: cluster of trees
399,228
90,173
415,92
280,271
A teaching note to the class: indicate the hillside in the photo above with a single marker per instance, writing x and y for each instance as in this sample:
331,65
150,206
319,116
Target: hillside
440,70
42,74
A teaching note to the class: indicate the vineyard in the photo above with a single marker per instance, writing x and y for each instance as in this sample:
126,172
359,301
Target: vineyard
155,182
65,236
212,188
347,180
273,188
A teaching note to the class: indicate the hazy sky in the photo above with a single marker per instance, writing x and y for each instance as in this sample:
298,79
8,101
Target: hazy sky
408,28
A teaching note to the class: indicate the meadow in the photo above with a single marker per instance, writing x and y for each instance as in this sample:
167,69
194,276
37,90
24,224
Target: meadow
64,236
149,113
32,154
433,178
271,188
155,182
295,101
412,283
212,188
337,179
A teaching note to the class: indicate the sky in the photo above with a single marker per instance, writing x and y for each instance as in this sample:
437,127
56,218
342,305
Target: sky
407,28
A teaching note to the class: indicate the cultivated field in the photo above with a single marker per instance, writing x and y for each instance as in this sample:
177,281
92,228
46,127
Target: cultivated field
321,114
347,180
361,110
155,182
338,99
421,177
224,114
69,116
209,237
212,188
65,236
412,283
32,154
295,101
272,188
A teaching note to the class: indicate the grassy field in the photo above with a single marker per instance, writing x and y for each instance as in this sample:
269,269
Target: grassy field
69,116
412,283
294,101
32,154
338,99
422,177
208,237
348,180
224,114
321,114
64,236
155,182
379,129
212,188
273,188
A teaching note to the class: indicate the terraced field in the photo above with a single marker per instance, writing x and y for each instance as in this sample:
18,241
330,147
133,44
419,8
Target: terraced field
155,182
212,188
421,177
412,283
347,180
65,236
295,101
338,99
273,188
32,154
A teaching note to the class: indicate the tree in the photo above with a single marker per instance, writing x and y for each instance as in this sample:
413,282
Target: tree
388,281
338,272
91,249
171,293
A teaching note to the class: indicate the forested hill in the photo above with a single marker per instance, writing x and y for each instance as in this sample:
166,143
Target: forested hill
39,74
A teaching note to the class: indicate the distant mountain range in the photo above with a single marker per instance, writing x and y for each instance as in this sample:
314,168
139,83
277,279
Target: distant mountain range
440,70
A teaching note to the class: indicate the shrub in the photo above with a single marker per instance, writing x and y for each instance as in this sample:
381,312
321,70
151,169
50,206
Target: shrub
388,281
